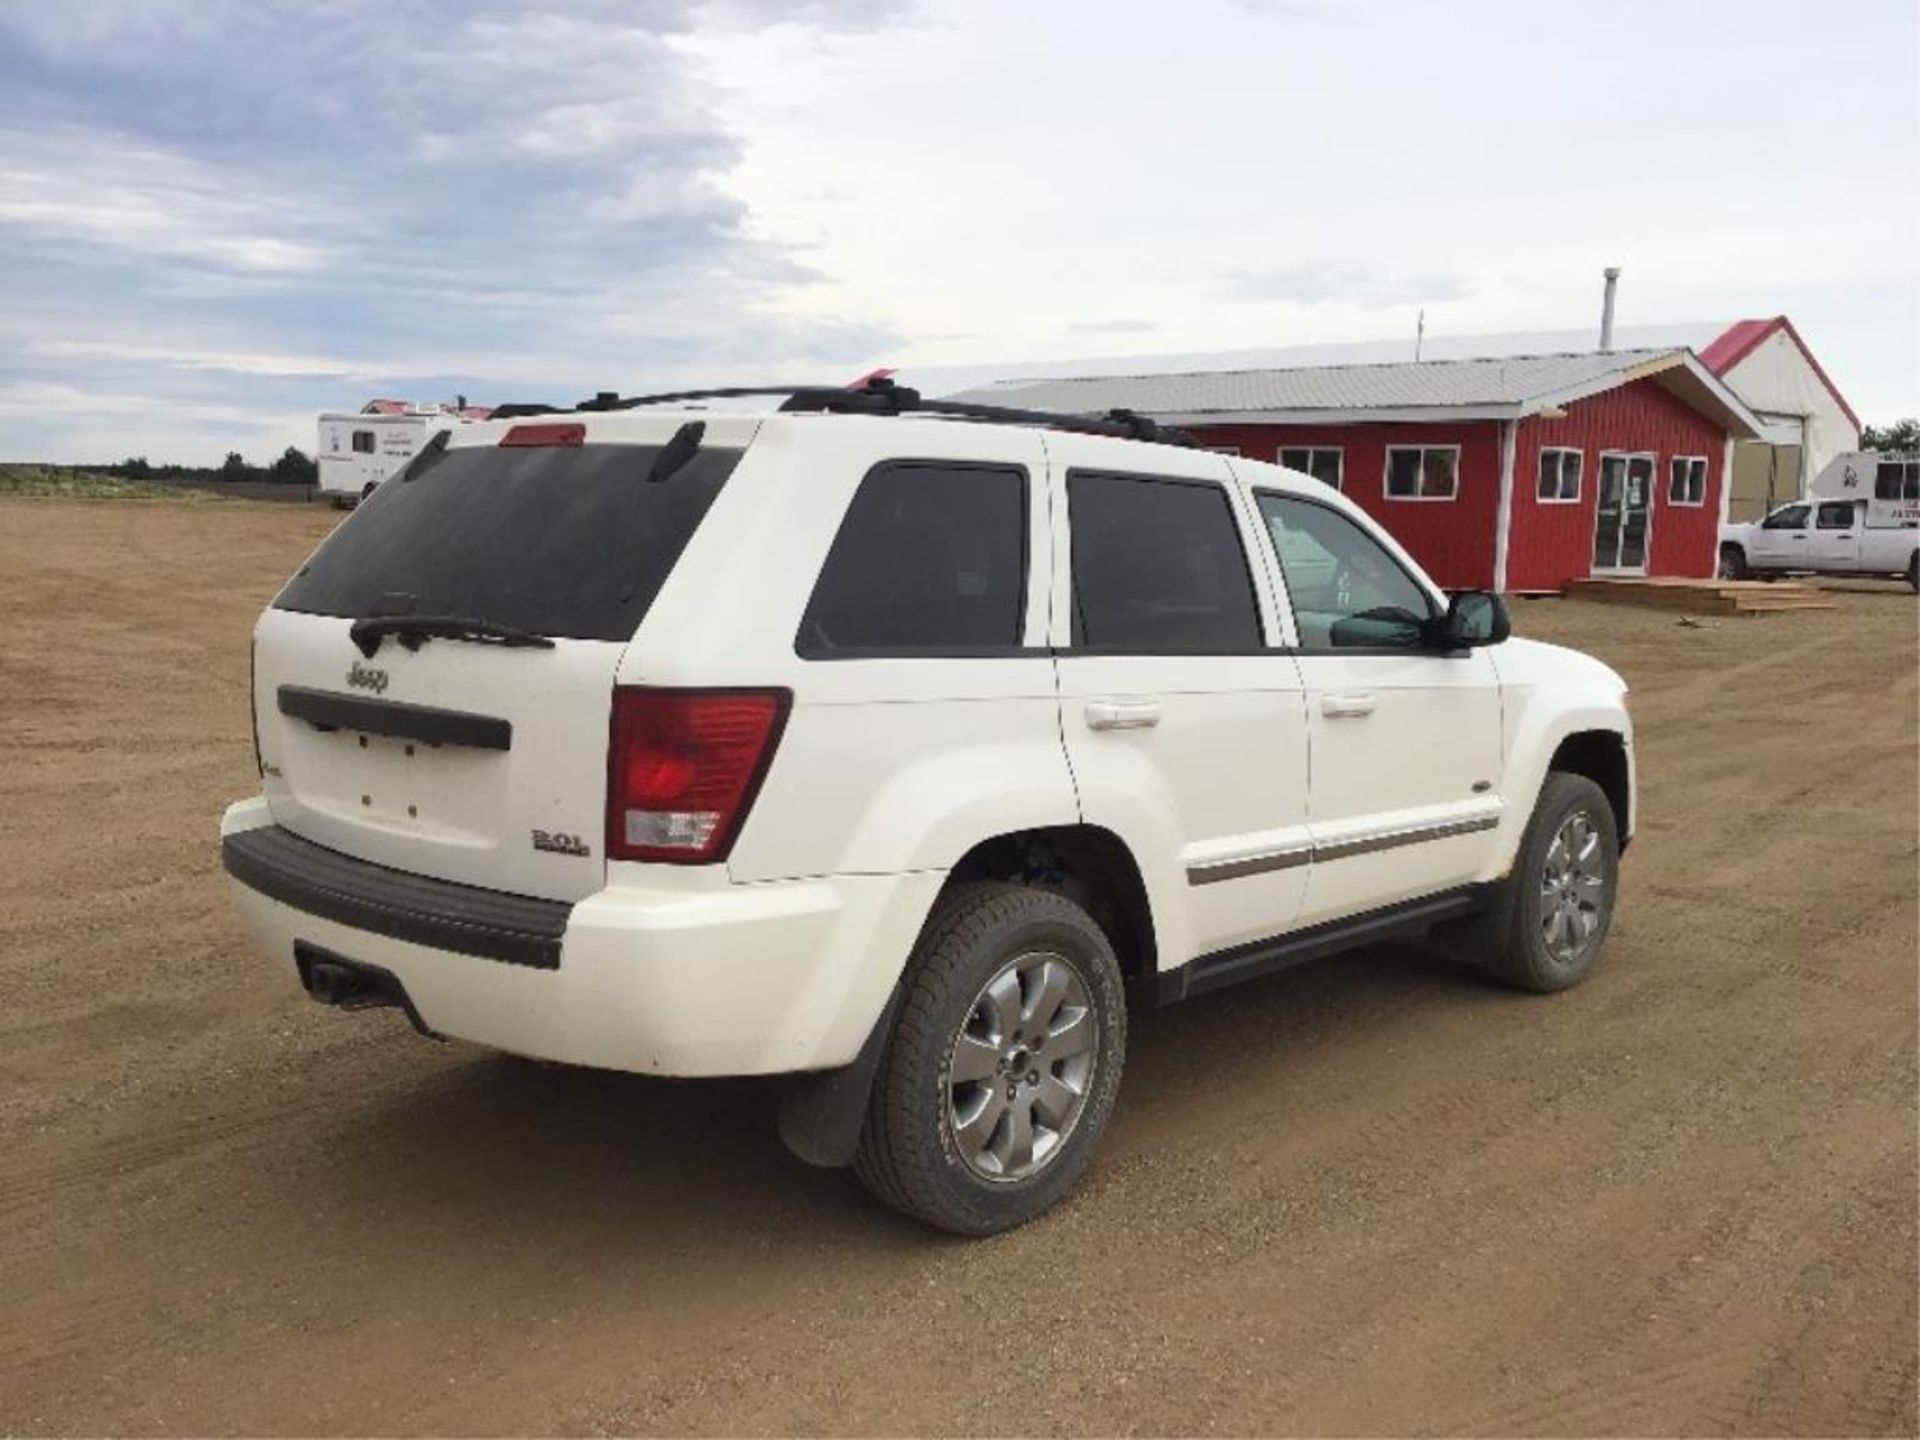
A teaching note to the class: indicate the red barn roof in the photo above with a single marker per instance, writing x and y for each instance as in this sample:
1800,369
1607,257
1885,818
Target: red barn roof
1743,337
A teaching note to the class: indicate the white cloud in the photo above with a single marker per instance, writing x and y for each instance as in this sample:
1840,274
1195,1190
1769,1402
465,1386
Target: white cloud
539,202
114,191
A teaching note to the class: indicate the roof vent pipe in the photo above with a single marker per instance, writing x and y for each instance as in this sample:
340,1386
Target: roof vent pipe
1612,272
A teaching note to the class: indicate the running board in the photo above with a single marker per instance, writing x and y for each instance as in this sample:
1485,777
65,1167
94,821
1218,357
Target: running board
1264,957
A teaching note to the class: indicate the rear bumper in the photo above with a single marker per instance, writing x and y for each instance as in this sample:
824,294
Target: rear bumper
724,980
307,877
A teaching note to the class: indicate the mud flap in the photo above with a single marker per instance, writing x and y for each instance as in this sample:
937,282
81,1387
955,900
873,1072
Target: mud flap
1472,939
821,1114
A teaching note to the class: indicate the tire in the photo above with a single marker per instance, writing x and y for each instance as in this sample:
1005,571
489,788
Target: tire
931,1143
1530,955
1913,572
1733,563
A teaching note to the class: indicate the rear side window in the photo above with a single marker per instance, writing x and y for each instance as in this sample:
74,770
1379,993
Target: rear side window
930,559
567,541
1158,568
1834,515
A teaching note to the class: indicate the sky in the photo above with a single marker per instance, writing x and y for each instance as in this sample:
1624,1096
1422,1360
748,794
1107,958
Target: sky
219,218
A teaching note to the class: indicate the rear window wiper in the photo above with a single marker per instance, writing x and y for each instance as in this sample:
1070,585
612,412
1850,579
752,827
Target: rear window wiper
415,630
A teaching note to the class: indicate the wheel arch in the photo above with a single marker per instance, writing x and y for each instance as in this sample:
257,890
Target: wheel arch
1088,864
1601,756
821,1113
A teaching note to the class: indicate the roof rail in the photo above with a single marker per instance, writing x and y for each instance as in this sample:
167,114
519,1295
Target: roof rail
880,396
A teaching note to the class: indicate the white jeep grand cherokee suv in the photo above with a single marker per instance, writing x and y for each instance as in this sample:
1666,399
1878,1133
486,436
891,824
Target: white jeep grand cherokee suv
887,744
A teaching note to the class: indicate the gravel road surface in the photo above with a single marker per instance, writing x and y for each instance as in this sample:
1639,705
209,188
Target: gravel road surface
1371,1195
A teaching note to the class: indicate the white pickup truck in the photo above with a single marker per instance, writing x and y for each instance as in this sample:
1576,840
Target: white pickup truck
1843,528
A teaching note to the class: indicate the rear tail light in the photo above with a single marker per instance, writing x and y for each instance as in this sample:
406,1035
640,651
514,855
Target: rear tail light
684,768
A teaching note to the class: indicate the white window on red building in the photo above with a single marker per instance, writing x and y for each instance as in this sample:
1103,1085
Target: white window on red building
1687,480
1423,472
1322,462
1559,480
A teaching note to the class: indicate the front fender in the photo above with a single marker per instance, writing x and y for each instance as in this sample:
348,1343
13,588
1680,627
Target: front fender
1549,695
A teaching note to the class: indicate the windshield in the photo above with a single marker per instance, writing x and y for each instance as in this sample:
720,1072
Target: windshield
569,541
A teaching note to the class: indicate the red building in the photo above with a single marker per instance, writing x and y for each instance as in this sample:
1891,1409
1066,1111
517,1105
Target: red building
1520,473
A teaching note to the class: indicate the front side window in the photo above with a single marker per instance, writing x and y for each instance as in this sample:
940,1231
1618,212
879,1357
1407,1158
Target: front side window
1429,472
363,442
1322,462
1559,481
1347,590
931,558
1158,567
1794,517
1834,515
1687,480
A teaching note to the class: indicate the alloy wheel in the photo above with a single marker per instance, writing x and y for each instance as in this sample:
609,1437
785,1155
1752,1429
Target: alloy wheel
1022,1067
1573,887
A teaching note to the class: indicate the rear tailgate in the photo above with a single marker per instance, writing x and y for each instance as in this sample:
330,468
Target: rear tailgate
467,759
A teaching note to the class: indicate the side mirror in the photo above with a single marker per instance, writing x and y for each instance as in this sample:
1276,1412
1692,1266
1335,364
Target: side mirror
1473,618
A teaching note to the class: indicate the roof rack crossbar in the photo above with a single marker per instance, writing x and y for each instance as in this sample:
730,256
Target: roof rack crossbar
880,396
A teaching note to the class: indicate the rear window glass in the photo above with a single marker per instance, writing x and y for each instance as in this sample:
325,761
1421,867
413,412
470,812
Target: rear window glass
930,557
568,541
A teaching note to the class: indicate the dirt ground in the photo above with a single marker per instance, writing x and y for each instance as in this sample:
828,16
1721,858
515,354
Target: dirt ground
1368,1196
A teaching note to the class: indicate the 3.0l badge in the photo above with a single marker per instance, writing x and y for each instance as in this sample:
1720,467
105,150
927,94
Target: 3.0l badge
560,843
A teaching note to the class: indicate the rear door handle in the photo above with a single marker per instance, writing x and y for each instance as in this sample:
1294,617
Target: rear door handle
1346,707
1122,714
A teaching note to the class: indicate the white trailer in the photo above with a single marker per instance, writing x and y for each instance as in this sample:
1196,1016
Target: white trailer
357,452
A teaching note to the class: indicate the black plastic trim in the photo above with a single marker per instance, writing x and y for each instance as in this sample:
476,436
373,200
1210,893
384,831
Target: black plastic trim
516,929
1264,957
329,710
821,1114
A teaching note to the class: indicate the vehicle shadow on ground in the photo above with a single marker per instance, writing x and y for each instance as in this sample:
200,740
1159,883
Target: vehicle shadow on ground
508,1152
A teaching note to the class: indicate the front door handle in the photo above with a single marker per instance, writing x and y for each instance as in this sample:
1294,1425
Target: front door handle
1122,714
1346,707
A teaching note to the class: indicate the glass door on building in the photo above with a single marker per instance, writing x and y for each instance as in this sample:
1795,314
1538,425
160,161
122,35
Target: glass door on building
1622,514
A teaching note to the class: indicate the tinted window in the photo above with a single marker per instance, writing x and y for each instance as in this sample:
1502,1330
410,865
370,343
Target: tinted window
1345,588
929,557
565,541
363,442
1794,517
1158,567
1897,480
1836,515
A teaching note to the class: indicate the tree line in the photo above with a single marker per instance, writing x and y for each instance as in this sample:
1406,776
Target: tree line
294,467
